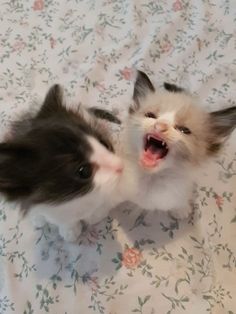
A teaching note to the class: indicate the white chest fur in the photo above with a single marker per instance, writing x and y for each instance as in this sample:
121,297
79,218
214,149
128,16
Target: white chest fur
167,191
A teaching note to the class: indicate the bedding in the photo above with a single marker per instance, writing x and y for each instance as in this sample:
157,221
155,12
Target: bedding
133,261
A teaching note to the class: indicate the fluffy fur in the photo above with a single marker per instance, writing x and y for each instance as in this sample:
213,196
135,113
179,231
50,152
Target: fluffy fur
60,166
181,137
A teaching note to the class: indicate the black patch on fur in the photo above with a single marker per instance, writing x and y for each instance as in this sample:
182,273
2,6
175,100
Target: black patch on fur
40,163
173,88
213,148
52,102
142,87
222,123
104,114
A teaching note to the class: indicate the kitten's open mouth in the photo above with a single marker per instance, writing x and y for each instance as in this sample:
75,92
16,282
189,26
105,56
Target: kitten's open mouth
155,148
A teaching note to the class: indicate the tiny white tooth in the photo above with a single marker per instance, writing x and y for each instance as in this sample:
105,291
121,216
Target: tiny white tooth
163,144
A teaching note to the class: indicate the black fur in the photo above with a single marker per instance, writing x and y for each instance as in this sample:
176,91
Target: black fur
223,121
104,114
173,88
142,87
40,162
222,124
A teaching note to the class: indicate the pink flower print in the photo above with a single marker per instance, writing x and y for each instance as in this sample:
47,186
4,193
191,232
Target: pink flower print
19,45
24,23
101,87
219,200
127,73
93,283
38,5
99,29
177,6
165,47
131,258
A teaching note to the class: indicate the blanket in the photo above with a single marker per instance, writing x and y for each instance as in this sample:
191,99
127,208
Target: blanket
133,261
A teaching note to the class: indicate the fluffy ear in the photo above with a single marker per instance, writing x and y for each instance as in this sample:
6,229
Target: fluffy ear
53,102
142,87
222,124
16,169
173,88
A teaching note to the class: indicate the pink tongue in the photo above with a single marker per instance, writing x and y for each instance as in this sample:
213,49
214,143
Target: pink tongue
148,159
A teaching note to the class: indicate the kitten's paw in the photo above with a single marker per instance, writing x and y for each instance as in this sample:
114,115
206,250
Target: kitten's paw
71,233
182,213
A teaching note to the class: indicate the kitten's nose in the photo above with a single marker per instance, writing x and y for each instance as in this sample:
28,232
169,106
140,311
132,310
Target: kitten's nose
161,126
119,169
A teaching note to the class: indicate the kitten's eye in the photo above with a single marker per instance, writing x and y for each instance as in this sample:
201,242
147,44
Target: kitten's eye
85,171
183,129
150,115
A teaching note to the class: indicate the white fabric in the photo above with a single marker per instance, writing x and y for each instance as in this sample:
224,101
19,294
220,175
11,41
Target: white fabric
133,261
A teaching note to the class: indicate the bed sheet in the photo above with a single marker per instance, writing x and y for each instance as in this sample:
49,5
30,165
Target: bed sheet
133,261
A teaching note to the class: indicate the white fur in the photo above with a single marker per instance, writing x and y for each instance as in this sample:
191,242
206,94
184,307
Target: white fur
169,184
167,117
167,187
167,190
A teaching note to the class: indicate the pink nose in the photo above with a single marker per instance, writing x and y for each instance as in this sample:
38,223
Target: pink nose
161,126
119,169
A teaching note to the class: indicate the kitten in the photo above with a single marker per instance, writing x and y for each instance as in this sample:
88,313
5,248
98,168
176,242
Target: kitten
166,138
60,166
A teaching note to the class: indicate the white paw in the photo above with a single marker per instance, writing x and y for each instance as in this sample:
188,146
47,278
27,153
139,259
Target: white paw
71,233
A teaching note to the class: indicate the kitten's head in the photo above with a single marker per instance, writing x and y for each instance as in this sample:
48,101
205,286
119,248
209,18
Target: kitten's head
167,129
57,155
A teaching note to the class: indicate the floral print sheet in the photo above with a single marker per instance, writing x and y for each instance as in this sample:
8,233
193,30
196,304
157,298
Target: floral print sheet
133,261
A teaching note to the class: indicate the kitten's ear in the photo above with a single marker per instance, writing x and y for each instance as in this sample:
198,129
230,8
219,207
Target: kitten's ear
173,88
142,87
53,102
15,169
222,124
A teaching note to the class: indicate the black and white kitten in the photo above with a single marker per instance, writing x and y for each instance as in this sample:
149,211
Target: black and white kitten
167,136
60,166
